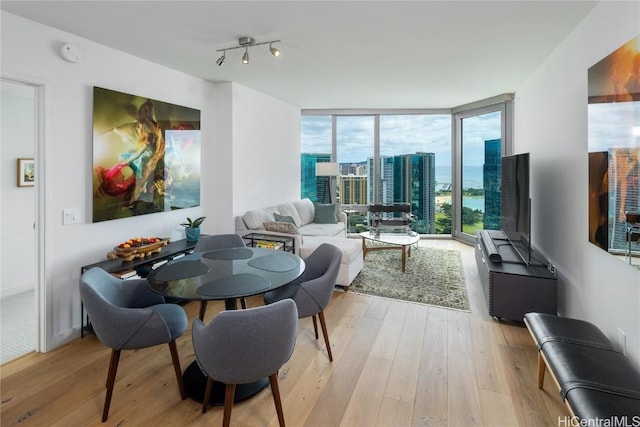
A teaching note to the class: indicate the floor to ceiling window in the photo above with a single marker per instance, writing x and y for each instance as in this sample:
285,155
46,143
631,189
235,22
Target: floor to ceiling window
383,158
415,158
481,150
315,141
355,142
482,137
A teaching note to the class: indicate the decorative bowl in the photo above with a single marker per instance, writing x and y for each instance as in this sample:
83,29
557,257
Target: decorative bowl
138,247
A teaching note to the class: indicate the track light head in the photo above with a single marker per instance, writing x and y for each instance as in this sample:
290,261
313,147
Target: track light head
246,43
274,50
220,60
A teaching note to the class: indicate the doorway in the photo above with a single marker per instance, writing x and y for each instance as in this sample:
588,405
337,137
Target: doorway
19,251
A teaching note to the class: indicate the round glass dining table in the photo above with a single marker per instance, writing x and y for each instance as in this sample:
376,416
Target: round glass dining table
224,274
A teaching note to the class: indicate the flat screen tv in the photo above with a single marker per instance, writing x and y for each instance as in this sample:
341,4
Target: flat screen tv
515,203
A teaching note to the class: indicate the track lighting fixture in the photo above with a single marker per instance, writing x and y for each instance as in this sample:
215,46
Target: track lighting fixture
246,43
274,50
220,60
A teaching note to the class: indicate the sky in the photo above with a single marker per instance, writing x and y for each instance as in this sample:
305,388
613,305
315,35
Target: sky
612,124
399,134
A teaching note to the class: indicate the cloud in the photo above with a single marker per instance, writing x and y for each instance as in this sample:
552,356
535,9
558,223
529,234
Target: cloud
611,125
399,134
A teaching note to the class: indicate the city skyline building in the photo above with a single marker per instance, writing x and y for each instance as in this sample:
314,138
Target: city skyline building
491,180
353,189
414,182
310,186
406,178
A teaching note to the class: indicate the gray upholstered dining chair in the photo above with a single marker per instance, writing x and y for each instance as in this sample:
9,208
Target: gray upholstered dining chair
243,346
218,241
127,315
313,289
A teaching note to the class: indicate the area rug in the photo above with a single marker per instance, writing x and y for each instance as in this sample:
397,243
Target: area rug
433,276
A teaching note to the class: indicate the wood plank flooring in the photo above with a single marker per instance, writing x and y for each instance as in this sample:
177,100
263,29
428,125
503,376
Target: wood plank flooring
395,364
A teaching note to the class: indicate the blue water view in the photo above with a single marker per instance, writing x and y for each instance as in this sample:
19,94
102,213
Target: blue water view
473,203
471,177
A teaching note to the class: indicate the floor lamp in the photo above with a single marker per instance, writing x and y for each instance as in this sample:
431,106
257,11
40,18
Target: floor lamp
328,170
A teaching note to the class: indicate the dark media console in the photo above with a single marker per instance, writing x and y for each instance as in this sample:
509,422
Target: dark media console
511,287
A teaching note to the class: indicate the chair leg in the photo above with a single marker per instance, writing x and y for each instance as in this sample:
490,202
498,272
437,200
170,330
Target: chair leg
315,325
275,390
243,303
176,367
207,395
541,369
229,394
111,379
326,334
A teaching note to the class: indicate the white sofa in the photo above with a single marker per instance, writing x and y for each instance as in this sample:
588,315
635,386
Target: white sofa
307,233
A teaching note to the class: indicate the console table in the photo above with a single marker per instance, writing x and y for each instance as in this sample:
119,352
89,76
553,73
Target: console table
512,288
142,266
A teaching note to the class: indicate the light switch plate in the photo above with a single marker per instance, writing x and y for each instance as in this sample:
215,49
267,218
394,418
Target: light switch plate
70,216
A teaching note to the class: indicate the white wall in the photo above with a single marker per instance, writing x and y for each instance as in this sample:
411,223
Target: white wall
18,203
551,124
266,162
30,52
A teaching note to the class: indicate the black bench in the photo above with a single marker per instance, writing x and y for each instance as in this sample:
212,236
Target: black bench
595,380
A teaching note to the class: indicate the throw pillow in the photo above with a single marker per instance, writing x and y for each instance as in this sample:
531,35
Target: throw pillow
284,218
281,227
305,209
289,209
326,214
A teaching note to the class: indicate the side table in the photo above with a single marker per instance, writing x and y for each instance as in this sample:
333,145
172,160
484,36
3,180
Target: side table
269,241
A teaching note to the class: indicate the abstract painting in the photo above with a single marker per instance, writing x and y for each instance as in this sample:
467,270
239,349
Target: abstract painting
614,150
146,155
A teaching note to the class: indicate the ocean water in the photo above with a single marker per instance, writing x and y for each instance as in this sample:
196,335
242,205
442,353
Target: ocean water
472,176
473,203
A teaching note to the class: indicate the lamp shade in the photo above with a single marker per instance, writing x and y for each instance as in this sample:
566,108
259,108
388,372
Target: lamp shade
327,169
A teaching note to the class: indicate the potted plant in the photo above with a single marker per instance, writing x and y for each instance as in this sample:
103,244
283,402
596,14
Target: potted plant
192,228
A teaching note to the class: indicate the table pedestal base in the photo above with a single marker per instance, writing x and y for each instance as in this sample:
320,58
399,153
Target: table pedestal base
195,382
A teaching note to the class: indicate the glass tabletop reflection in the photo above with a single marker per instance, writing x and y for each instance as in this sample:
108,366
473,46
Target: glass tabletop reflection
224,274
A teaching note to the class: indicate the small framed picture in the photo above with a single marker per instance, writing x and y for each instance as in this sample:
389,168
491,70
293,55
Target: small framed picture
26,173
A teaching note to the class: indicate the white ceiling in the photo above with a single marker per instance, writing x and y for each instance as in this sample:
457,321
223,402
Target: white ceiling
343,54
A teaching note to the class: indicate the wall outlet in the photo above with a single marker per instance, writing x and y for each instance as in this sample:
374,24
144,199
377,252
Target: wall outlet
622,341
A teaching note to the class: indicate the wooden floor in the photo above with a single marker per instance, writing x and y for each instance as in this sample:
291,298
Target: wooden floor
395,364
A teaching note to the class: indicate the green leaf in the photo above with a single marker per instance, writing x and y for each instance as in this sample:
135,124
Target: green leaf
193,223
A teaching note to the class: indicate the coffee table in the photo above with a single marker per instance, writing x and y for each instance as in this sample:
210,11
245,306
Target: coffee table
377,242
